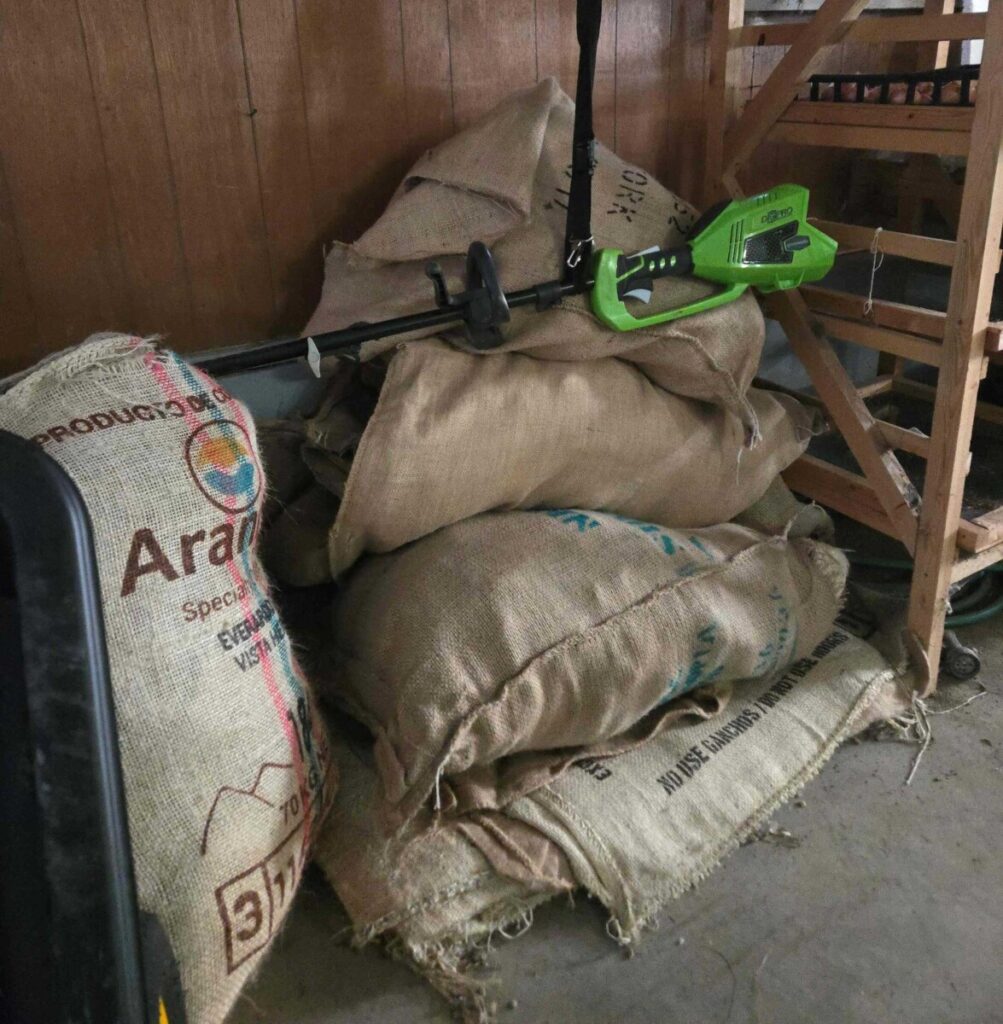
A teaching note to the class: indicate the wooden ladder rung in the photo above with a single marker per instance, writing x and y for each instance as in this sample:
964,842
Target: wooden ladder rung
884,339
880,115
894,243
988,412
982,533
914,441
992,520
914,28
852,495
855,136
971,564
840,490
879,386
898,316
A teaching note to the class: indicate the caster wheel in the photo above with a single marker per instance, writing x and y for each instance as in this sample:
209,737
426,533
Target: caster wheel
958,661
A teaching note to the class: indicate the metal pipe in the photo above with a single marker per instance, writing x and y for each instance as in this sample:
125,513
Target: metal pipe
271,353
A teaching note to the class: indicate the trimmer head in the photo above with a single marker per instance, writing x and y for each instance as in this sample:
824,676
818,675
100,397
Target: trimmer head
764,241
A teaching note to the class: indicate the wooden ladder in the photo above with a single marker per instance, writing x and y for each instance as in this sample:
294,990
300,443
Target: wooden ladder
945,547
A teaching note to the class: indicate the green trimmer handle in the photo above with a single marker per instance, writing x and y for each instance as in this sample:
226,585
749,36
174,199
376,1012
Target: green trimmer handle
612,311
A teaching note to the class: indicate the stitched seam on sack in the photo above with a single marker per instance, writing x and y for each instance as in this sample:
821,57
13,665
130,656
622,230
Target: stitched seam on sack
549,794
507,844
64,366
397,917
590,635
594,633
673,335
425,781
614,746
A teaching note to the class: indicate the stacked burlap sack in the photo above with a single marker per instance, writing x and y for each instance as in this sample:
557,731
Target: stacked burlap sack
660,423
226,763
567,572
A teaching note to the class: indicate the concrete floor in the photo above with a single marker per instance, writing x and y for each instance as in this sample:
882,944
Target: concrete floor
889,908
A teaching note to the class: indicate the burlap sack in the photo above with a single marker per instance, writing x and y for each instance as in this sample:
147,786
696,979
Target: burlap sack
505,180
287,475
778,511
643,828
489,656
225,763
455,434
428,894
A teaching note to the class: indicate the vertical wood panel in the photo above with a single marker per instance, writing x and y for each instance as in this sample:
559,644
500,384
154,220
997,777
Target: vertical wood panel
557,55
428,84
282,147
116,35
200,67
143,193
56,173
643,85
19,338
688,42
493,52
353,73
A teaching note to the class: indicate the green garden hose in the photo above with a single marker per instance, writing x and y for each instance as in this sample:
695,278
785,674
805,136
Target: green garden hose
963,618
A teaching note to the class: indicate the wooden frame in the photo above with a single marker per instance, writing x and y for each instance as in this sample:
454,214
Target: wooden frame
945,547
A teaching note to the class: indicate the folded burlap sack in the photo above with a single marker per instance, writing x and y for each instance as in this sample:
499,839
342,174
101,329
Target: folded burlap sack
489,656
778,511
429,894
644,828
505,180
281,444
455,434
225,763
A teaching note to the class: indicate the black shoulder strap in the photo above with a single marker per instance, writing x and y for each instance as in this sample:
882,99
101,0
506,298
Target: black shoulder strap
578,233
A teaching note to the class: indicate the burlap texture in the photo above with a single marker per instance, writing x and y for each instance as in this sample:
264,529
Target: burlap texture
225,763
504,180
281,443
426,893
643,828
428,884
454,435
489,656
778,511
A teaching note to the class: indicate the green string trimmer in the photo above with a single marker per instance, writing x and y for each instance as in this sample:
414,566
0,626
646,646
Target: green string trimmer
764,241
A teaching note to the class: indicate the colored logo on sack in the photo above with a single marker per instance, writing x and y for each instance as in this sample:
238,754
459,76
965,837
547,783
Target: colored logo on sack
222,463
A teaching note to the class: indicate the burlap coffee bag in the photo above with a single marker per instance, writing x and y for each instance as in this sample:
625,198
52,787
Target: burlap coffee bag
455,434
505,180
427,893
778,511
225,763
281,443
489,656
427,883
643,828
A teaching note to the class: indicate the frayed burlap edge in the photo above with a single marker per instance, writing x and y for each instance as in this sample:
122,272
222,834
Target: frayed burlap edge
105,353
448,963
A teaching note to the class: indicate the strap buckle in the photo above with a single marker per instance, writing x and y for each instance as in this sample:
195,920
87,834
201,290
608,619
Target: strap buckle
578,249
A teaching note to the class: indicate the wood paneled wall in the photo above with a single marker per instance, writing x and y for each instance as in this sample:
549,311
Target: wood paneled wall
177,166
